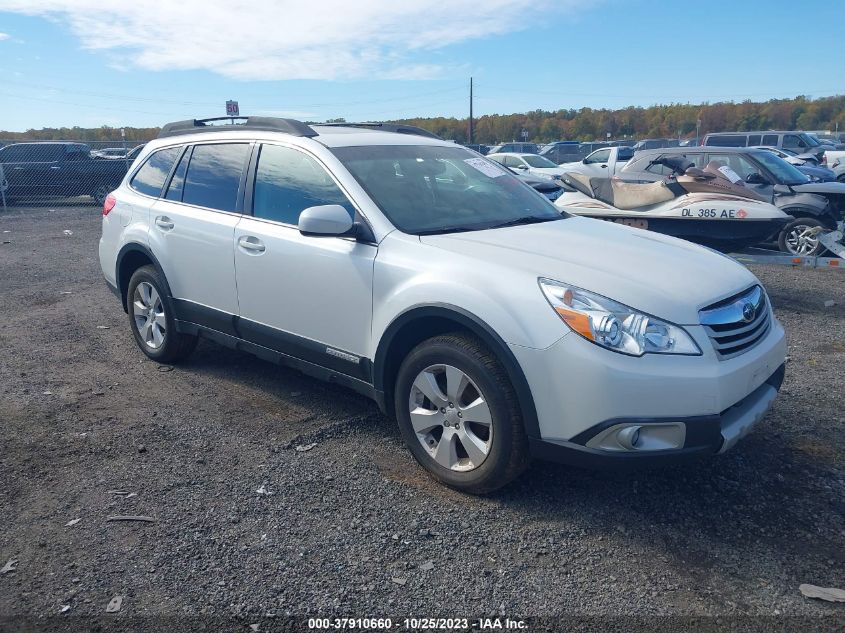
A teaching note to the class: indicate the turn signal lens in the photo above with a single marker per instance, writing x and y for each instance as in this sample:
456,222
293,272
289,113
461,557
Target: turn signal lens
108,205
613,325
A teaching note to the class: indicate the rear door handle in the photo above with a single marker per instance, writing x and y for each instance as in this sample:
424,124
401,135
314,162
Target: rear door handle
251,244
55,167
164,223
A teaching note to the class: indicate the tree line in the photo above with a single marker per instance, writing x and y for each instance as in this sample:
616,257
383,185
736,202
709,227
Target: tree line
585,124
658,121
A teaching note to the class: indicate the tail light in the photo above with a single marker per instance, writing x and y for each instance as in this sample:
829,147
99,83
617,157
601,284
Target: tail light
108,205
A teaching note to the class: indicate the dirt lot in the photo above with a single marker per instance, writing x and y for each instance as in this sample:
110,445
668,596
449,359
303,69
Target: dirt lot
246,525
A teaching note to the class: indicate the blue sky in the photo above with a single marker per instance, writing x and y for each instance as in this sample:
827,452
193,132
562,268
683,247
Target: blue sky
74,62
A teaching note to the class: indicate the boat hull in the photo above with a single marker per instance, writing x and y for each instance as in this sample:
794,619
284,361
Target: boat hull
724,223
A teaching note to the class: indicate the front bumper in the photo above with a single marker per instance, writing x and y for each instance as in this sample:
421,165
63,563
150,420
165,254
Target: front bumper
683,405
703,435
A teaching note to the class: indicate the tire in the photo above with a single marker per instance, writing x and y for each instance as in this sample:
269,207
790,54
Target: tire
473,471
147,295
100,193
790,240
841,178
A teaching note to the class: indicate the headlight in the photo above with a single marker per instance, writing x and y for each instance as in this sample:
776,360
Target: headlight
615,326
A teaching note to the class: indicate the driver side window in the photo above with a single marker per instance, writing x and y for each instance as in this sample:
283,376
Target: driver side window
601,156
741,165
288,181
791,141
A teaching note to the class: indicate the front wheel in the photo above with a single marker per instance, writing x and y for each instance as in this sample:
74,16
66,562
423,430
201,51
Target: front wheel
801,237
459,414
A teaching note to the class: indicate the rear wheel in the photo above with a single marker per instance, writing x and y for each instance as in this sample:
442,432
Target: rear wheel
459,414
152,319
801,237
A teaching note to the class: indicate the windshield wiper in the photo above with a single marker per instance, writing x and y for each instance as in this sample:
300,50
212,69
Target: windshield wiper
526,219
449,229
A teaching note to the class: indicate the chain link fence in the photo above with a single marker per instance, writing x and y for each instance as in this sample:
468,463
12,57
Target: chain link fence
62,173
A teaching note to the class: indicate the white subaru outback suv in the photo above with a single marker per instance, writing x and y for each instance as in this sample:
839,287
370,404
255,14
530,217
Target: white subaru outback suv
431,279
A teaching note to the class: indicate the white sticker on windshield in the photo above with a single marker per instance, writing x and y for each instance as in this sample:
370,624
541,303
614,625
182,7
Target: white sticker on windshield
485,167
730,174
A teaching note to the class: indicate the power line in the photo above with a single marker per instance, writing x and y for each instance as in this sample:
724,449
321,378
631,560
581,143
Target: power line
256,105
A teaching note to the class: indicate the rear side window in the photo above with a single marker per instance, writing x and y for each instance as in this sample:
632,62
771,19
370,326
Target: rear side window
214,175
150,178
727,140
287,182
770,140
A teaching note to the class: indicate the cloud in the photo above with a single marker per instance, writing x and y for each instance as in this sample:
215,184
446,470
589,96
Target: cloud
291,39
4,36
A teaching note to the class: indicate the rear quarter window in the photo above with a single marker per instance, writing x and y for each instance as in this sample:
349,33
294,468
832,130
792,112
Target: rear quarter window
150,178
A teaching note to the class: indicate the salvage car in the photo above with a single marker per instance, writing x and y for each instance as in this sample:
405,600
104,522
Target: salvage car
533,164
491,326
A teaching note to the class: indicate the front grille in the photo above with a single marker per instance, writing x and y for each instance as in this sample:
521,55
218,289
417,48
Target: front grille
732,325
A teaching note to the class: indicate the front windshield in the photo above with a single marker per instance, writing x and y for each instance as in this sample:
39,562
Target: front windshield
538,161
785,173
425,189
812,140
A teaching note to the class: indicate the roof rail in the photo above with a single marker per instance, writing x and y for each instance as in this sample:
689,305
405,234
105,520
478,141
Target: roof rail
398,128
263,123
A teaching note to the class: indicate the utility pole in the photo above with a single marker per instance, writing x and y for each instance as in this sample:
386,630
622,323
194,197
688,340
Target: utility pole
470,110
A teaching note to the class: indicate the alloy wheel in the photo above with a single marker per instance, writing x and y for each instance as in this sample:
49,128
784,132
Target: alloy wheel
451,418
148,312
802,239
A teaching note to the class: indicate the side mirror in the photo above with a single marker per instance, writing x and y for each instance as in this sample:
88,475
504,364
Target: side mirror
782,189
326,220
521,166
755,179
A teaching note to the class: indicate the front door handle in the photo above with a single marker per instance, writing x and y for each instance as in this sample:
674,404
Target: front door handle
55,167
164,223
251,244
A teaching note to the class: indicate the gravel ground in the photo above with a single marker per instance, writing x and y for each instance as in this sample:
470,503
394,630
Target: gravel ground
248,526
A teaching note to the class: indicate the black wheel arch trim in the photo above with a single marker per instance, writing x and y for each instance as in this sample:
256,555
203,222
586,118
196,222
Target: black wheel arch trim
822,215
479,328
135,247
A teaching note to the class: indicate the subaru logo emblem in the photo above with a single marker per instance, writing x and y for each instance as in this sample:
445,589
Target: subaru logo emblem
748,312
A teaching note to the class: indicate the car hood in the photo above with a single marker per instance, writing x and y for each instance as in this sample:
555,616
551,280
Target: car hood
669,278
823,188
551,171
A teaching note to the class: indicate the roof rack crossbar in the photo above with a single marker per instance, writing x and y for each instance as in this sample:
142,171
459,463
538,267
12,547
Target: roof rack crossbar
398,128
263,123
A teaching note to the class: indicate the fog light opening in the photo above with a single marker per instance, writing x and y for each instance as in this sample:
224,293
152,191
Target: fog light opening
629,437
